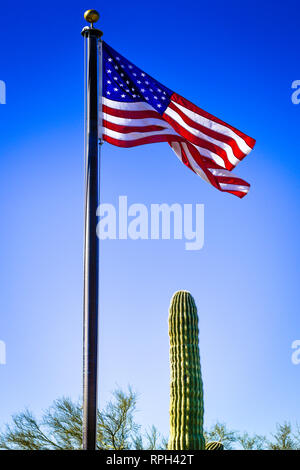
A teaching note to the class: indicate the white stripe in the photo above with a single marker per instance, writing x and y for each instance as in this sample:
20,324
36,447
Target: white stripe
176,146
231,157
139,106
194,164
152,121
214,126
234,187
136,135
207,153
177,149
137,122
213,156
217,172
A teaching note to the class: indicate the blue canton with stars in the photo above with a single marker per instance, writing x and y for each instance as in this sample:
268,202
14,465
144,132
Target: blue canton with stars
123,81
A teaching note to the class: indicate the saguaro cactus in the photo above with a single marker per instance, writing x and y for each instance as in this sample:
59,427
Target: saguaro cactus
214,446
186,396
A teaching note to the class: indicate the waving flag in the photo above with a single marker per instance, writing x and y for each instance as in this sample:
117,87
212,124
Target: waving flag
138,110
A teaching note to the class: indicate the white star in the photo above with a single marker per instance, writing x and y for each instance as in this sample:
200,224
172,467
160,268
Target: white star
159,105
127,81
139,81
158,89
123,66
130,66
118,58
116,67
123,96
155,97
108,92
110,59
151,89
163,98
143,74
147,83
115,89
120,84
133,96
146,98
142,90
115,78
108,71
134,74
108,81
127,91
122,74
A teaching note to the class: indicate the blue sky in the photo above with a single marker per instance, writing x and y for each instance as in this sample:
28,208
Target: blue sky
235,60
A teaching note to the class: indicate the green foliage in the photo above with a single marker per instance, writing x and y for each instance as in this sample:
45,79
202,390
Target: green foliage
26,434
116,426
220,433
284,438
186,395
255,442
60,427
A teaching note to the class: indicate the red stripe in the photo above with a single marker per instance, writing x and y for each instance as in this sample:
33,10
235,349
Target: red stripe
239,194
124,113
228,180
184,102
145,140
198,159
185,159
216,180
205,130
200,142
128,129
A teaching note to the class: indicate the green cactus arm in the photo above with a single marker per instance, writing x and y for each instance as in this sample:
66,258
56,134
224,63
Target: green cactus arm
214,446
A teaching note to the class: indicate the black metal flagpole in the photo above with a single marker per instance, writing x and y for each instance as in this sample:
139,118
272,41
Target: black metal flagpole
91,244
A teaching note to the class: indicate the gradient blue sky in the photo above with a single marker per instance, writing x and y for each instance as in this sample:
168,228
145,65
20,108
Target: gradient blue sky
243,57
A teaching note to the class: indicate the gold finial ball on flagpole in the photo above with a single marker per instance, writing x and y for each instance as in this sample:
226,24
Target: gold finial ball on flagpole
91,16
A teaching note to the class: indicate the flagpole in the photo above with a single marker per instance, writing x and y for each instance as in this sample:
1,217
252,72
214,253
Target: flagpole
91,243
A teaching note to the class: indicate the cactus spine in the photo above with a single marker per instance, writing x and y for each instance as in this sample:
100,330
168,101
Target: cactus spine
186,396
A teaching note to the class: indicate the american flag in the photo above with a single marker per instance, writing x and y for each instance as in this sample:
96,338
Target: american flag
138,110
